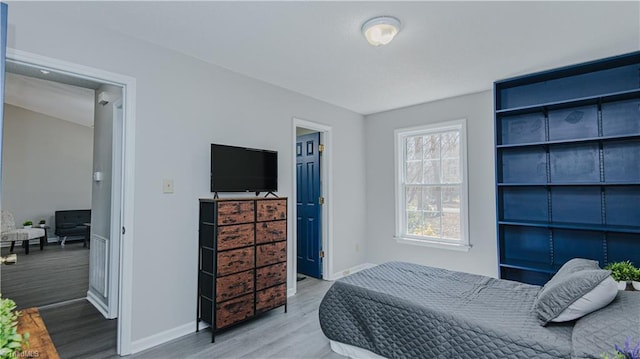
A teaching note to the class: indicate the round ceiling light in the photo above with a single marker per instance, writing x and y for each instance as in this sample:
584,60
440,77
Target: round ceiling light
380,30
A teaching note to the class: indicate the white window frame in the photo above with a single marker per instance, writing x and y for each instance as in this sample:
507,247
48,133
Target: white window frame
400,135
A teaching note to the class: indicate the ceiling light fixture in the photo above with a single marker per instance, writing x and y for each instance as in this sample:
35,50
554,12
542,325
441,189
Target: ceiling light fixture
44,72
380,30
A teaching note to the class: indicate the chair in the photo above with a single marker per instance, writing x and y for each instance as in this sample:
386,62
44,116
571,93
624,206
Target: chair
9,233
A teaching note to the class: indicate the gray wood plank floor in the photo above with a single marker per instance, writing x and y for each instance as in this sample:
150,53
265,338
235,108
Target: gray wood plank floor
53,275
78,330
295,334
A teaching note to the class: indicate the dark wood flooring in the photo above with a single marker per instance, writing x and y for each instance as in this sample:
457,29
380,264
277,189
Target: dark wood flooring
78,330
53,280
53,275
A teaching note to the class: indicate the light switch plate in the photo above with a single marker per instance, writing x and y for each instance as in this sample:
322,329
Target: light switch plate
167,186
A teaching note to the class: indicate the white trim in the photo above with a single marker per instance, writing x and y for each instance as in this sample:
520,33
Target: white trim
426,243
461,125
117,199
97,302
129,102
291,292
349,271
162,337
326,173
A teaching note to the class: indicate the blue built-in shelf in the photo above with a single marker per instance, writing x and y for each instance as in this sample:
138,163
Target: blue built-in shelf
529,184
633,136
578,226
590,100
530,266
568,167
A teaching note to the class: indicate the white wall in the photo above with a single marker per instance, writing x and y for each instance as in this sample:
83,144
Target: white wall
381,247
184,105
46,165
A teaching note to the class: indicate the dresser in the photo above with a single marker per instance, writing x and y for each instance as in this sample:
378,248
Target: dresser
242,259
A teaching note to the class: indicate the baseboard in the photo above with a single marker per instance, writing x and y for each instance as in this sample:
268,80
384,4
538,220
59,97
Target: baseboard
162,337
95,300
355,269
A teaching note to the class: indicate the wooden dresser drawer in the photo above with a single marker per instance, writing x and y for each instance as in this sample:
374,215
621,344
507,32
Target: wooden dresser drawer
271,275
236,260
234,285
271,298
271,231
239,235
271,253
234,310
271,209
234,212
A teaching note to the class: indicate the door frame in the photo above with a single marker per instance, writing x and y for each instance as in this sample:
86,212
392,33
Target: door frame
326,188
128,85
117,199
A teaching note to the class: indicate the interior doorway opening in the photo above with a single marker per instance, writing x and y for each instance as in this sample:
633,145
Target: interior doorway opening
312,200
111,270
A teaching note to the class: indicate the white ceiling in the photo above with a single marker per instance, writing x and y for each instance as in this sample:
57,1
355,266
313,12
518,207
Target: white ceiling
315,48
65,102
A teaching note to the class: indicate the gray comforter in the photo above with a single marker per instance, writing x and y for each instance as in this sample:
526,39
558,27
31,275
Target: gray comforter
402,310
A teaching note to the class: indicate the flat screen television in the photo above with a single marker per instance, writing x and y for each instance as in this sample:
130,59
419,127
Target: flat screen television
241,169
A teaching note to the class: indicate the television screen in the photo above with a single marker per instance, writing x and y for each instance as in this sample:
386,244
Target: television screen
240,169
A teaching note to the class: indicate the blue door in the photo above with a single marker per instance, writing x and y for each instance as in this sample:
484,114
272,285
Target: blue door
3,52
308,205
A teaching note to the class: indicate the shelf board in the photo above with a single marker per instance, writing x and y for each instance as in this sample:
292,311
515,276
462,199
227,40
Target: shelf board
576,226
581,101
578,140
529,266
559,184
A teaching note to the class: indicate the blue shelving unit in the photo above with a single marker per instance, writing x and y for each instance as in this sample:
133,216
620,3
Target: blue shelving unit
568,167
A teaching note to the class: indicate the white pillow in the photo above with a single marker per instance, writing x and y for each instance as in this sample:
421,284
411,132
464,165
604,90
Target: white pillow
595,299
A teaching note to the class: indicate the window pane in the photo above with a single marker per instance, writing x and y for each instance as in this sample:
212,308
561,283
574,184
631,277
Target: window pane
432,147
450,144
451,212
413,198
414,172
432,226
414,223
451,171
431,172
431,197
414,148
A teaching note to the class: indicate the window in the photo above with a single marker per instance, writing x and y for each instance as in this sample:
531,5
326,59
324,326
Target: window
431,185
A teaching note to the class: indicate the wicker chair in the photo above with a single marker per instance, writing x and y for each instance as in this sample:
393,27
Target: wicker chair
9,233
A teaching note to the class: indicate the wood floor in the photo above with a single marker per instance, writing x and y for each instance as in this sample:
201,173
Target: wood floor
78,330
53,275
295,334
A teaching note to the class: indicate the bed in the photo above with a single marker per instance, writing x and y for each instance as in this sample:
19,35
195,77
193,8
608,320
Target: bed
403,310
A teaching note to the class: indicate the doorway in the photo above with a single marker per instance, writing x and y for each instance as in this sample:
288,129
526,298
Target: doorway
312,227
119,261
